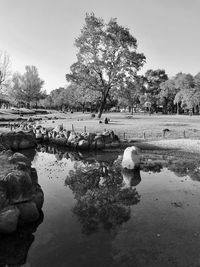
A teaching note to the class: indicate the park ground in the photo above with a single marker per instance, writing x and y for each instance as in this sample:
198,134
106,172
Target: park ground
183,131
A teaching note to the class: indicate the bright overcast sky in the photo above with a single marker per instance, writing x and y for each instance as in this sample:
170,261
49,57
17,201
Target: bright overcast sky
42,33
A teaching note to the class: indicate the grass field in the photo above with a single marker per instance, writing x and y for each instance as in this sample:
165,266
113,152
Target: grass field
138,126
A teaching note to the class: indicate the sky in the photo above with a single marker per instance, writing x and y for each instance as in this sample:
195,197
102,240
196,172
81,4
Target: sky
42,33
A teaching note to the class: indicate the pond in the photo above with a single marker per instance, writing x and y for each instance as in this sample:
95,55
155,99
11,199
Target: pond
95,214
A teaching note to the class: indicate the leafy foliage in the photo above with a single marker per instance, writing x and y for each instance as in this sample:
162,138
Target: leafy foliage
106,58
167,95
152,80
5,71
27,87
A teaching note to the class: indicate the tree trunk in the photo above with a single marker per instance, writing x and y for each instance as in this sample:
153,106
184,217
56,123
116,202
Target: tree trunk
177,108
131,110
83,108
101,108
103,102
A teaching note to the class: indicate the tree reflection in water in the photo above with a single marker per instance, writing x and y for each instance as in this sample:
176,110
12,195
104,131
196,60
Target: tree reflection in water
102,199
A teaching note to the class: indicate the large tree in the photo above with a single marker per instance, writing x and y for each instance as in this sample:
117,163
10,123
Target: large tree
5,71
167,95
27,87
185,97
153,79
106,57
130,93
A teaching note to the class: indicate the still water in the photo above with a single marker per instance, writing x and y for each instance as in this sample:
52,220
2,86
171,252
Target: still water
97,215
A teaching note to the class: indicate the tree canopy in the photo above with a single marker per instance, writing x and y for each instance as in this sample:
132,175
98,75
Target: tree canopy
152,80
106,58
27,87
5,70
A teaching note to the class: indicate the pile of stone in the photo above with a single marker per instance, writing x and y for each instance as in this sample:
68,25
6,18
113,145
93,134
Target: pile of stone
21,197
72,139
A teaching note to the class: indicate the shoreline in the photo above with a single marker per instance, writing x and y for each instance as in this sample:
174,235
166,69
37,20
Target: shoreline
186,145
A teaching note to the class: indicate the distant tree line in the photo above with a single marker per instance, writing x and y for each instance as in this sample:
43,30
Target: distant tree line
105,75
153,92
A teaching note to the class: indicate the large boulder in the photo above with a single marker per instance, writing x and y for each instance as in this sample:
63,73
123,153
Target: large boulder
17,140
9,219
83,144
28,212
3,196
18,185
21,197
131,158
18,157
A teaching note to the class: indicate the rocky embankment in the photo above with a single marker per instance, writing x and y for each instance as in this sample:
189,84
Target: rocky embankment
21,197
72,139
18,140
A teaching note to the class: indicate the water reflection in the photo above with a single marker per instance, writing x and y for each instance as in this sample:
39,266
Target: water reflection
14,247
151,162
131,177
102,198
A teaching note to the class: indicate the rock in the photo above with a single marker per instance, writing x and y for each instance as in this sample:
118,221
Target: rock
18,185
9,219
107,137
34,176
16,141
66,134
93,145
46,138
2,148
83,144
58,156
22,166
58,128
7,153
131,158
38,135
21,198
18,157
99,143
74,143
72,136
28,212
91,137
3,196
